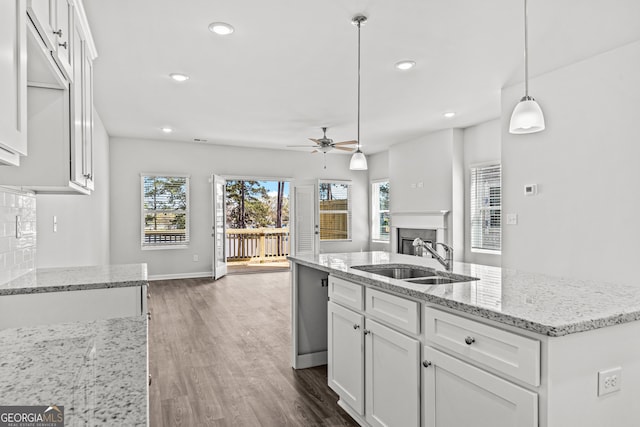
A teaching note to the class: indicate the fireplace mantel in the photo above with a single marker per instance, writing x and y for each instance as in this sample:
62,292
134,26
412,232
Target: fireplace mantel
433,220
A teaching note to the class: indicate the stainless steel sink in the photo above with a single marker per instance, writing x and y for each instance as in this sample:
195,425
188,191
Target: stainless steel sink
415,274
397,271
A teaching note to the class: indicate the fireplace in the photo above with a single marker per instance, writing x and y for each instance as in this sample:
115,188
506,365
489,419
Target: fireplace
407,235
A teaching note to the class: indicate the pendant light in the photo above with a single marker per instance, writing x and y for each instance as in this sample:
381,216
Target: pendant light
527,117
358,160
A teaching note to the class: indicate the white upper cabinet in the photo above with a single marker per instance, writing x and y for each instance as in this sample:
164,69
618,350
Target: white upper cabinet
53,19
56,98
13,82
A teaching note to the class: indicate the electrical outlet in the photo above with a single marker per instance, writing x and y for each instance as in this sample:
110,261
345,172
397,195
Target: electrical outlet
609,380
512,219
55,224
196,258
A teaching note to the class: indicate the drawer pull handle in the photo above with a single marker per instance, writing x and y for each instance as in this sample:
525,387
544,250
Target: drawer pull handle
356,326
469,340
366,331
426,363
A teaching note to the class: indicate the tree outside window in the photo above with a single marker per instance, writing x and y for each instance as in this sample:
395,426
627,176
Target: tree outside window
165,205
380,211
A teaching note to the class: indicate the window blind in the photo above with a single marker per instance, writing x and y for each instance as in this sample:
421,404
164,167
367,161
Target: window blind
165,211
486,207
335,210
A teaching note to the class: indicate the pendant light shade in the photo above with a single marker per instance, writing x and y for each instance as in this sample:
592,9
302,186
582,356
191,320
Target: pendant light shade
358,160
527,117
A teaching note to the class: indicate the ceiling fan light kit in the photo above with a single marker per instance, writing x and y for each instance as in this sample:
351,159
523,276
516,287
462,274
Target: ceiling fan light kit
527,116
358,160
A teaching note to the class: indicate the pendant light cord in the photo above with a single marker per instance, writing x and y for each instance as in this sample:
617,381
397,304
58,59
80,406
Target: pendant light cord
359,23
526,52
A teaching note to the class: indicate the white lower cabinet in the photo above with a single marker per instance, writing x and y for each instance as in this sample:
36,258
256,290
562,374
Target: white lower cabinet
345,355
374,368
392,377
458,394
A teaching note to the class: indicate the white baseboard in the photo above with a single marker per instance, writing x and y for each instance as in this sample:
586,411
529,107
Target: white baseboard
180,276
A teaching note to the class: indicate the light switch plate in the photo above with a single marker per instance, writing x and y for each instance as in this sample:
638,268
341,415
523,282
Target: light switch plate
530,189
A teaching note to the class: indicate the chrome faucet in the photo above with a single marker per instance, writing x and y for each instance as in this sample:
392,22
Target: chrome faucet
447,261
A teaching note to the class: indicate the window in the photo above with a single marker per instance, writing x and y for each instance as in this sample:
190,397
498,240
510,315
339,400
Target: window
380,211
335,210
486,207
165,211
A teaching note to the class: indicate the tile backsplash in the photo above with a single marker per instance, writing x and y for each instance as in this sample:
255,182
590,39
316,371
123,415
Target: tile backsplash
17,236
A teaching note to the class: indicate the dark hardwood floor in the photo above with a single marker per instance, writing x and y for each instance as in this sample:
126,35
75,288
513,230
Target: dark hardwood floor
219,355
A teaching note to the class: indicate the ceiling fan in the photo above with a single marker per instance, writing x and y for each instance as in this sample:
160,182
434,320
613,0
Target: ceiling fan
324,144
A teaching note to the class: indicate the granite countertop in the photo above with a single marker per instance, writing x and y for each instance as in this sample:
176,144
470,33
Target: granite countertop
76,279
97,370
543,304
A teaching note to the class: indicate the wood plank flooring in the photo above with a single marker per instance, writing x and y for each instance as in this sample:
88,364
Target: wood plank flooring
219,355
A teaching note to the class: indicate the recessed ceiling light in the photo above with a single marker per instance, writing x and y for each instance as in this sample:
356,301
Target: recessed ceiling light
220,28
449,114
166,129
405,65
179,77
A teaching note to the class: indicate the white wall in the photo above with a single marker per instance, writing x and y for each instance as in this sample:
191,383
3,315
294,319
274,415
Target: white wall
431,161
83,221
481,145
378,169
584,221
130,157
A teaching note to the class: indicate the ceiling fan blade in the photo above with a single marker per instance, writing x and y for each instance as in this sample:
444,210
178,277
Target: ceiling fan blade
314,151
306,146
345,142
344,148
316,141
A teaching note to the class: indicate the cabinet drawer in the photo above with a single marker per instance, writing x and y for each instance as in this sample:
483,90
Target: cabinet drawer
345,292
506,352
394,310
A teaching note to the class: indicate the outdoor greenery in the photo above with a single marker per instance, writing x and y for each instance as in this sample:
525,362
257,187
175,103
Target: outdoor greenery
249,205
164,198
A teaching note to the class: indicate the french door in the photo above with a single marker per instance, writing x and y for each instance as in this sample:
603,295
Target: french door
219,263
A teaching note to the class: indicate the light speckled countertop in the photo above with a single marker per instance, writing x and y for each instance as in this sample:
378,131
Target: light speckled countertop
76,279
543,304
96,370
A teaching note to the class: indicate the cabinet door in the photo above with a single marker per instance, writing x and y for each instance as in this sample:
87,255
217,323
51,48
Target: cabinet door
392,377
459,394
87,99
43,15
77,112
13,81
345,356
64,45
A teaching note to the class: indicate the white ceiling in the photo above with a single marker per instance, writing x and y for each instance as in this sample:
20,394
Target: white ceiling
290,67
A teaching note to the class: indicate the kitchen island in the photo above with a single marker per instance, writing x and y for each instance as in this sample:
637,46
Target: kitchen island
77,337
532,350
97,370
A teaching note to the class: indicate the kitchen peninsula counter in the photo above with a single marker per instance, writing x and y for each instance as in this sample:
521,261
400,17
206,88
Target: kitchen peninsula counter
539,303
76,278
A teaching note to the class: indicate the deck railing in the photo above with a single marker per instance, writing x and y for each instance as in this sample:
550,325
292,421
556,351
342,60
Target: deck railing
261,244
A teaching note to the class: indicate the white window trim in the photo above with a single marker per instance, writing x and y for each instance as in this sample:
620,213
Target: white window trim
188,212
480,165
374,240
349,210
